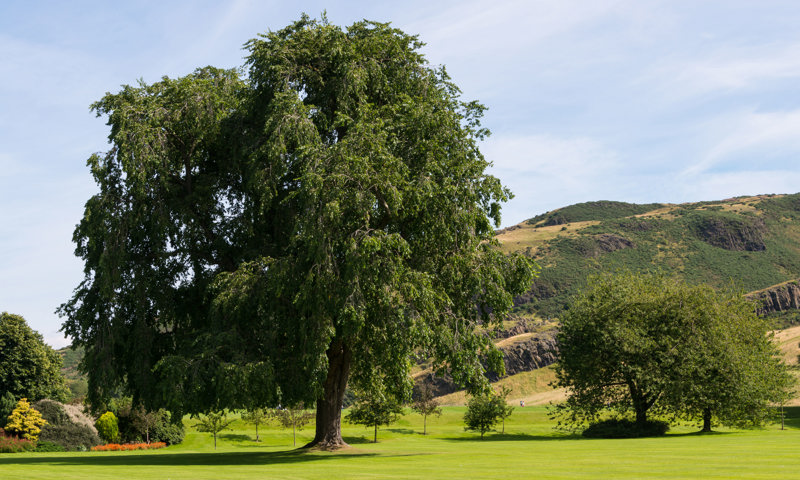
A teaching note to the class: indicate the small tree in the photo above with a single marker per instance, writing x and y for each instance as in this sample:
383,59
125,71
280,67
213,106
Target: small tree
108,427
25,421
256,416
483,412
213,422
375,409
504,409
295,417
426,405
145,421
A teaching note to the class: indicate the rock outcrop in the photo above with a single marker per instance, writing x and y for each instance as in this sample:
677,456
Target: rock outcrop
736,234
535,352
529,353
779,298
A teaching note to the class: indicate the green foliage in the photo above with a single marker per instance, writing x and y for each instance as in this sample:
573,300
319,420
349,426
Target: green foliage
213,423
256,416
373,409
600,210
625,428
754,246
71,436
25,421
28,367
636,342
295,417
108,427
7,404
136,424
49,447
168,430
505,410
484,411
426,405
314,225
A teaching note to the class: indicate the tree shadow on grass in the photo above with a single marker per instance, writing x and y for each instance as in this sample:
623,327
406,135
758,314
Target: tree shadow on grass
357,440
111,459
514,437
232,437
406,431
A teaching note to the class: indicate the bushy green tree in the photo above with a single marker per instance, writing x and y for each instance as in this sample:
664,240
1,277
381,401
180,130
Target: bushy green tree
108,427
213,423
373,409
426,405
29,368
276,237
25,421
484,410
637,342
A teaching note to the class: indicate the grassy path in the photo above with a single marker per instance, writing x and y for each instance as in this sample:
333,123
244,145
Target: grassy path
530,448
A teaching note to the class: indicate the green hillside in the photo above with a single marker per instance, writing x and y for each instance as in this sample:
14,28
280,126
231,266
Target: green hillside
753,242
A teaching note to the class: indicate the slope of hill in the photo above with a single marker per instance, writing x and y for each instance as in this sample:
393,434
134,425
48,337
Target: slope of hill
752,242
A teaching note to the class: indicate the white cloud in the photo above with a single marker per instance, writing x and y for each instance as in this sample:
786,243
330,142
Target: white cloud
717,70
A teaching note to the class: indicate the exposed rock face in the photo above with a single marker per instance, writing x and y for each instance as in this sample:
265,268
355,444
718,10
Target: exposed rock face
778,298
607,242
535,352
732,234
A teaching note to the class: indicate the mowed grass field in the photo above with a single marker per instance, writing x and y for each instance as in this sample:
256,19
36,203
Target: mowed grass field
530,448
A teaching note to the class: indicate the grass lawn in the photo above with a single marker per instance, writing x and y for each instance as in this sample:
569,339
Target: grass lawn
530,448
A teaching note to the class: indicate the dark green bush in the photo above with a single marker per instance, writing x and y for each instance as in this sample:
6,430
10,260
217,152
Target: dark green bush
623,428
168,432
49,447
70,436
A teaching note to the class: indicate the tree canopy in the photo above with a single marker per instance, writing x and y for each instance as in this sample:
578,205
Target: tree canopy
271,238
643,342
29,368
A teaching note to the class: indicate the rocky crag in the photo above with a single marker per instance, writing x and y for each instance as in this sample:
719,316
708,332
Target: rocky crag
526,346
779,298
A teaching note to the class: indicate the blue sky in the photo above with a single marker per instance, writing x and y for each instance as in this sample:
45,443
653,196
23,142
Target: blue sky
632,100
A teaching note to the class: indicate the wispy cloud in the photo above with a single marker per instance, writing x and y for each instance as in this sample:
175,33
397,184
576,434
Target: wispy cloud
753,135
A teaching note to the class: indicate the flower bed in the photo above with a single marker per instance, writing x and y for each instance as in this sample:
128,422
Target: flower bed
116,447
15,445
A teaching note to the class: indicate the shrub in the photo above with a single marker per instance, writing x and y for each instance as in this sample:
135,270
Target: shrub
15,445
68,426
25,421
49,447
107,427
70,436
167,431
624,428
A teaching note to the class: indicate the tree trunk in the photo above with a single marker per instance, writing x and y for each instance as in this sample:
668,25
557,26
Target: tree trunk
706,420
328,434
424,424
375,439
